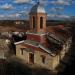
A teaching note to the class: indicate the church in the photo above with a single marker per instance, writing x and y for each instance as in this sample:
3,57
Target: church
44,46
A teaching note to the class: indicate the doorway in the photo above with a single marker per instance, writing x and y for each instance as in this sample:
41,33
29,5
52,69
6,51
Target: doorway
31,57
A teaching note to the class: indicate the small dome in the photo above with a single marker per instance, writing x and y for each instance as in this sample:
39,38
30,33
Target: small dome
38,8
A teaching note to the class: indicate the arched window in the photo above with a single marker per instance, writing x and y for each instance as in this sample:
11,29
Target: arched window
41,22
34,22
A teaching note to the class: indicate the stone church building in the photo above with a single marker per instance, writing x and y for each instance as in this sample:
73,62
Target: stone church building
44,46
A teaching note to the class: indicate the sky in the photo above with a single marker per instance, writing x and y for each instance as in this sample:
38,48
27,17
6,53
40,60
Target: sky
19,9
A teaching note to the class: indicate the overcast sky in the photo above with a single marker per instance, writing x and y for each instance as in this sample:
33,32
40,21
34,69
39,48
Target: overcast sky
19,9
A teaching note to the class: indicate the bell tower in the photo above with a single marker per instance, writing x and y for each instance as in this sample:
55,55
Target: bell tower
38,18
37,29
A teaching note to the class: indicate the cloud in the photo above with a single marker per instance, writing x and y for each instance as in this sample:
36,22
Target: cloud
2,16
22,1
43,2
25,2
51,15
61,2
32,2
25,7
73,2
6,6
58,16
56,9
63,16
24,12
15,15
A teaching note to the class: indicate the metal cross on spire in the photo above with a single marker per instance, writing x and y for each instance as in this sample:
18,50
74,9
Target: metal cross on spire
41,2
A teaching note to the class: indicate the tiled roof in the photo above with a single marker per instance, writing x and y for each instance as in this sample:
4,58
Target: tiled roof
54,39
30,42
59,33
36,45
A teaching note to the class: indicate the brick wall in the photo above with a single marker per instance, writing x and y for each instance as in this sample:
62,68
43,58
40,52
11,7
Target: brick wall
37,18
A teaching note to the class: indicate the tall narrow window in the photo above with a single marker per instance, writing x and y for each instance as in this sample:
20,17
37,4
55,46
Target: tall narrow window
31,57
22,49
41,22
43,58
34,22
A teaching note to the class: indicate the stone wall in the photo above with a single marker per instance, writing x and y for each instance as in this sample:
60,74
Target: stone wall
25,55
65,48
50,61
3,49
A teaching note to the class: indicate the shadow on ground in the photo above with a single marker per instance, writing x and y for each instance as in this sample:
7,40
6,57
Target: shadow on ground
16,68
